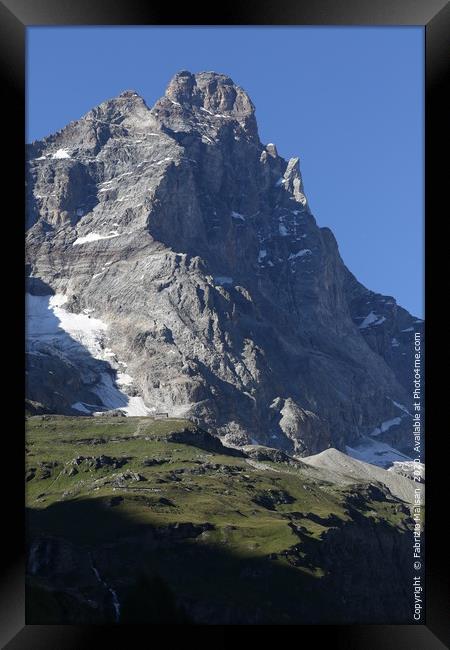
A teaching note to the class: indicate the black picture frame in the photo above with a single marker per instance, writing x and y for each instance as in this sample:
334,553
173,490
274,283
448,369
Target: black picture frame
15,17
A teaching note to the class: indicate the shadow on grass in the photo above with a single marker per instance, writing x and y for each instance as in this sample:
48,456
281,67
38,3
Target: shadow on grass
84,555
171,574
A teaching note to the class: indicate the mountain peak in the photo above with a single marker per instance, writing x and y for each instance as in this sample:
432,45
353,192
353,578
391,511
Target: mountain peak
127,109
212,91
126,101
128,94
192,244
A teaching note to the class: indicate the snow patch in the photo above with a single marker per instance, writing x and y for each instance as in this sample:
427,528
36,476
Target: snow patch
410,469
60,154
161,162
385,426
302,253
372,319
376,453
94,236
261,255
402,407
123,379
223,279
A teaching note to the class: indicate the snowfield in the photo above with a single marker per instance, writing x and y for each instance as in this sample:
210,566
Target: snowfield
82,338
375,452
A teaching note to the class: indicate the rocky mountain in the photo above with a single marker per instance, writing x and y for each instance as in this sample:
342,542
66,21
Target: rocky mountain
174,265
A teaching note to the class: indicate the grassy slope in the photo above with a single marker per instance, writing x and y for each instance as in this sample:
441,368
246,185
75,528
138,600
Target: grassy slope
217,488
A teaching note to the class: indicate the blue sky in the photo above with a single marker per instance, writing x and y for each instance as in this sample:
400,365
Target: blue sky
348,101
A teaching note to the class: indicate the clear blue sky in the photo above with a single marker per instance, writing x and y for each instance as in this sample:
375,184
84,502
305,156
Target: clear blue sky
348,101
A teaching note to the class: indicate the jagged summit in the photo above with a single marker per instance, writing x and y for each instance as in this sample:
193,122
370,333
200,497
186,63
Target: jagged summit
127,108
129,93
208,102
212,91
186,251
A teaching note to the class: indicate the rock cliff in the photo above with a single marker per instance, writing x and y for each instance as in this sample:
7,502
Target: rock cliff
174,265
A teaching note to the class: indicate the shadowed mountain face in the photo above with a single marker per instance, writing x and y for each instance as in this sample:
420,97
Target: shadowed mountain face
194,246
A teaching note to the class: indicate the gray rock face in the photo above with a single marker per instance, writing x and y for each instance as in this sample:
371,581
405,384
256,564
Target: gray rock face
194,244
339,468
